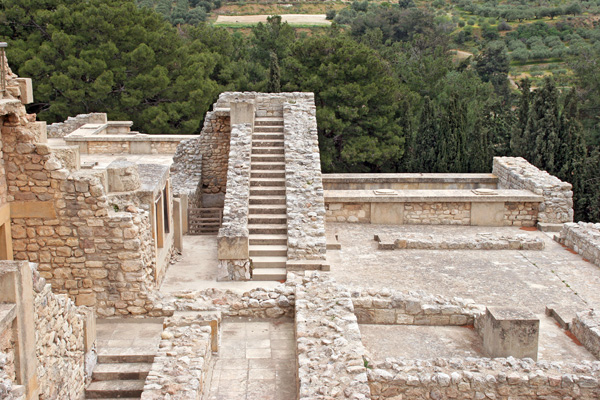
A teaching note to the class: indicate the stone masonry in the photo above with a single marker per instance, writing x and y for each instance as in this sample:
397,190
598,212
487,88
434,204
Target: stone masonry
584,238
62,129
517,173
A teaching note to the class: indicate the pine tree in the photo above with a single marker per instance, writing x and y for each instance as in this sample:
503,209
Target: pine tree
543,127
519,145
274,84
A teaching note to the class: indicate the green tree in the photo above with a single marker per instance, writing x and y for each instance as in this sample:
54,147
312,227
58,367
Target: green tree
274,84
426,143
492,65
520,144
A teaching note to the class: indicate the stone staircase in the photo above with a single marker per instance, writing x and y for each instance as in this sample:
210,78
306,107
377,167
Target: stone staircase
267,219
119,375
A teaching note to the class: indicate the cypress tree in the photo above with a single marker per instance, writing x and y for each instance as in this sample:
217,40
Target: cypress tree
519,145
543,127
274,83
425,140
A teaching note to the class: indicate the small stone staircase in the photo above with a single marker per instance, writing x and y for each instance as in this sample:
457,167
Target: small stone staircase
119,375
267,218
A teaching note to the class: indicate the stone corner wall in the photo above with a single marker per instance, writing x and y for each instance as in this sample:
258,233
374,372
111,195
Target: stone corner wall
584,238
186,171
517,173
586,328
303,181
62,129
234,263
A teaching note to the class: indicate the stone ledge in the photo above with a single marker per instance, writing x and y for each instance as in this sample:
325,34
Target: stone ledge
430,196
8,312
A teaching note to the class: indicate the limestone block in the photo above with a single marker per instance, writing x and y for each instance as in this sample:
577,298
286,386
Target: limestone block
487,214
26,88
510,332
387,213
233,248
123,176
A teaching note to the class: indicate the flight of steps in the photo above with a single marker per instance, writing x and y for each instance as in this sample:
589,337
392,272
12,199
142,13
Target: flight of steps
267,219
119,376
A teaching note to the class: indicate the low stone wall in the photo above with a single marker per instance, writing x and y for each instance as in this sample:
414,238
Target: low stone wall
133,143
482,378
234,261
390,307
179,370
408,181
520,214
62,129
304,187
481,241
517,173
257,303
59,333
586,328
584,238
330,352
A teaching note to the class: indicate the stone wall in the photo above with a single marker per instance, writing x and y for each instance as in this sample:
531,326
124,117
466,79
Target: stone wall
584,238
517,173
482,378
586,328
390,307
304,187
437,213
330,353
481,241
9,390
186,172
521,214
180,368
60,349
61,129
234,262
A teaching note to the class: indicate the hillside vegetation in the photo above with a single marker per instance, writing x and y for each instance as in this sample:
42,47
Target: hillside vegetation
391,94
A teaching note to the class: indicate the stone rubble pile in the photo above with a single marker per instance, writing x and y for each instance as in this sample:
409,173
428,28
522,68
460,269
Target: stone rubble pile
584,238
517,173
331,356
483,378
481,241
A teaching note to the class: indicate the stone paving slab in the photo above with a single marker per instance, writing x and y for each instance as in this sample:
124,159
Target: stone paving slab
531,279
256,361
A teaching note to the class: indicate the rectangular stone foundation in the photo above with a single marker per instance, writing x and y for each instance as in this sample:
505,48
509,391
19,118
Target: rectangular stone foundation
510,332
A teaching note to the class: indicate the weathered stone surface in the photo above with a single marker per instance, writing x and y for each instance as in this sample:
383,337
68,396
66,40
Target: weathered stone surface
584,238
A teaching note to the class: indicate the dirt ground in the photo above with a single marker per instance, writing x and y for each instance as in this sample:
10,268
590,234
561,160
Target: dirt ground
314,19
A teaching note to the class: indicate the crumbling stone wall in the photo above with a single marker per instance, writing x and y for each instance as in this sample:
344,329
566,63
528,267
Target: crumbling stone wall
480,241
59,348
517,173
62,129
214,146
483,378
8,387
520,214
304,186
585,327
437,213
390,307
584,238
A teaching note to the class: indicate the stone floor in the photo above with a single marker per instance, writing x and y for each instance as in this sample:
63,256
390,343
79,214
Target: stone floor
197,269
429,342
256,361
531,279
128,336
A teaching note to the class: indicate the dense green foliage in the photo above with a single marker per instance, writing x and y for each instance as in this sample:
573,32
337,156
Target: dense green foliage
389,96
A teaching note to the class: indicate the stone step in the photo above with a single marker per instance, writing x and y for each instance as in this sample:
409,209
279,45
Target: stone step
274,158
267,150
267,129
269,274
267,209
121,371
112,356
267,136
260,121
267,228
267,218
273,250
267,182
267,191
267,174
268,143
114,389
268,166
267,200
269,262
266,239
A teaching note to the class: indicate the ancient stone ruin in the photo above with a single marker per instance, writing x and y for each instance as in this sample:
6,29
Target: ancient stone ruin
226,265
